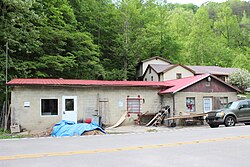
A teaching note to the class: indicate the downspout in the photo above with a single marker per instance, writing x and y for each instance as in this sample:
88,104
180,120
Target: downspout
173,124
161,100
173,104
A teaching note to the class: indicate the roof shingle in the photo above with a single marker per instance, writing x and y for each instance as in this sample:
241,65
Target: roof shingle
215,70
161,67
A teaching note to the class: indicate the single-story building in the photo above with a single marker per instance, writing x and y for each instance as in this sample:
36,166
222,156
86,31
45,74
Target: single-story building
40,103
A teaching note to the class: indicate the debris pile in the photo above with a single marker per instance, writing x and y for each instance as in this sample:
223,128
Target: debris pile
42,133
93,132
69,128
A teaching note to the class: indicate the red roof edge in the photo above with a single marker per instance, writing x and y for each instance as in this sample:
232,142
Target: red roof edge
72,82
183,83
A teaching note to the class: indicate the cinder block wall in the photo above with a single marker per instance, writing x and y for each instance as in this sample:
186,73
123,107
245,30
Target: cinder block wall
31,118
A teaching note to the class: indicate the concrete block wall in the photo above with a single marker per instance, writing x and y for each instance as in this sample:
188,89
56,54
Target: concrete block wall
87,103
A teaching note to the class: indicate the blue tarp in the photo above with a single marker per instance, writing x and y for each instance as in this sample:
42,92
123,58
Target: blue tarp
70,128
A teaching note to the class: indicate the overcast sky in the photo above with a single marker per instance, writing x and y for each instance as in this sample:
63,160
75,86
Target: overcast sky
196,2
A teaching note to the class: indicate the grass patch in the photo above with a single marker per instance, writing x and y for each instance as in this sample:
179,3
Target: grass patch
245,95
8,135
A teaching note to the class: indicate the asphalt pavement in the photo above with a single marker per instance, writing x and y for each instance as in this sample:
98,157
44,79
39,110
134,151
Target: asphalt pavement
176,147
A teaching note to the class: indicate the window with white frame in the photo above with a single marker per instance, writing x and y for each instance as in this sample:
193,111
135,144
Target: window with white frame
190,104
134,104
49,106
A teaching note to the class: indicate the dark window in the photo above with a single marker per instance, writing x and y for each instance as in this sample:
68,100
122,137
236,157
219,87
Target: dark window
152,78
244,104
145,79
190,104
69,104
178,75
149,70
49,106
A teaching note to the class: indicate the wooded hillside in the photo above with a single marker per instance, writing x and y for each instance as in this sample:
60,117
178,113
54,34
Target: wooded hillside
101,39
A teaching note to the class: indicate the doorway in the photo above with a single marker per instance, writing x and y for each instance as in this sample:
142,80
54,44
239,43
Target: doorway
69,108
207,104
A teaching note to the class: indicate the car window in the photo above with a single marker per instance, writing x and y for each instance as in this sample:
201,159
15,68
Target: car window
244,104
232,105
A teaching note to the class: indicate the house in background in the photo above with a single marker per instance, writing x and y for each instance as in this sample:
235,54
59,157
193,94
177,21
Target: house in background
40,103
165,72
160,69
142,65
220,72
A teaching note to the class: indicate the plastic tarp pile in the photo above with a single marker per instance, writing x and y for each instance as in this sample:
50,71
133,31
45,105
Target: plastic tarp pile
69,128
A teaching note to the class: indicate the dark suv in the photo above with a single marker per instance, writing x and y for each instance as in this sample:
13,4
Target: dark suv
236,111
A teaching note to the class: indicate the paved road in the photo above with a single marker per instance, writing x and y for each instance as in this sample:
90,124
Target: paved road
204,147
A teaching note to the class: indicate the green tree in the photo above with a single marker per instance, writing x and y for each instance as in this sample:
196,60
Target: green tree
202,42
179,25
130,23
101,18
18,25
66,52
245,31
240,79
242,60
155,38
226,25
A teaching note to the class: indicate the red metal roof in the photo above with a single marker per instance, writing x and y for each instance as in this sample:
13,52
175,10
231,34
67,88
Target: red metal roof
55,82
180,84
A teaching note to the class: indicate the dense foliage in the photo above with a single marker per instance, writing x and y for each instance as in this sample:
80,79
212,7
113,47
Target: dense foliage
105,39
240,79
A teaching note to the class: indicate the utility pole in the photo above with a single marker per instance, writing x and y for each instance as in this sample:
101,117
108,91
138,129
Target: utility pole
6,78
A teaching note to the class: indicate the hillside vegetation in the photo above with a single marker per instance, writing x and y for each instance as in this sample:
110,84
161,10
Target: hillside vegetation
105,39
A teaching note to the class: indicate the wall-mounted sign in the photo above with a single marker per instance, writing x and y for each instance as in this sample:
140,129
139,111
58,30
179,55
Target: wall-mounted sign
120,104
26,104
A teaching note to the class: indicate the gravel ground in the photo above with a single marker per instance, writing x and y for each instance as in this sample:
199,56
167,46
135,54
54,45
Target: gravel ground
143,129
